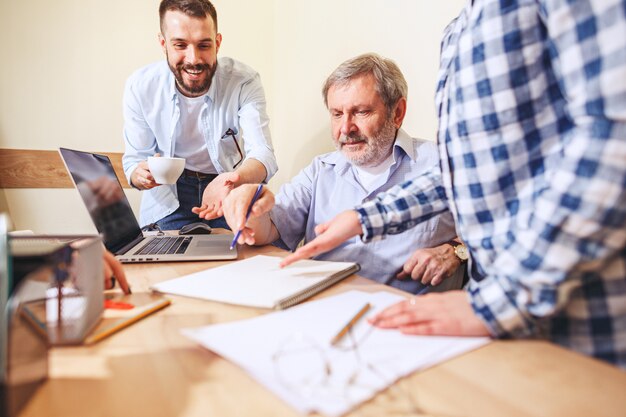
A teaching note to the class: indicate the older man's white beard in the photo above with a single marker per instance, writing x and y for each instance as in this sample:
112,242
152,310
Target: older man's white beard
377,148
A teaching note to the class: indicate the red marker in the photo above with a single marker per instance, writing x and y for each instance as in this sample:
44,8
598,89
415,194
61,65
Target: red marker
117,305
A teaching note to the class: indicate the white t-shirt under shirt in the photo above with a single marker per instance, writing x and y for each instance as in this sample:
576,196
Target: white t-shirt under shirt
193,148
373,177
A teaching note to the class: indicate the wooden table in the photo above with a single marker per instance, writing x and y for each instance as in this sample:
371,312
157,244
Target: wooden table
151,370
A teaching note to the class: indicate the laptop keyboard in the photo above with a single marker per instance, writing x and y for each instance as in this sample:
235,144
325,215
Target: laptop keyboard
165,245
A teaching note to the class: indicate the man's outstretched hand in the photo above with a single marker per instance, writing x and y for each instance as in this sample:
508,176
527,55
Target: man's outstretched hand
214,195
442,314
329,235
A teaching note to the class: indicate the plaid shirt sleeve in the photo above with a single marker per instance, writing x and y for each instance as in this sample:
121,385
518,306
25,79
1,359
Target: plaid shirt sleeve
403,206
576,231
563,257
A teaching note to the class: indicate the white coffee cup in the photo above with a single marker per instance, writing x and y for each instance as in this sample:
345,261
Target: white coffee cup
166,170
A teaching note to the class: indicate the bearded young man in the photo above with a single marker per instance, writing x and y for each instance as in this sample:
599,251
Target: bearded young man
366,99
194,106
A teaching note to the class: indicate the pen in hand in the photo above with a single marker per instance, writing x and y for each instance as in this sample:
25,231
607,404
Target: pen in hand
345,329
255,197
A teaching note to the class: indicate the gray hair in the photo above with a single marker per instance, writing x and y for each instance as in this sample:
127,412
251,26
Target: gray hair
390,83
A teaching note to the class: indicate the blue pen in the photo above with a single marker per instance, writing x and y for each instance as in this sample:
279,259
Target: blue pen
254,199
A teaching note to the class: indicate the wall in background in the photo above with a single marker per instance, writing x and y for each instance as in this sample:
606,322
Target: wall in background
63,73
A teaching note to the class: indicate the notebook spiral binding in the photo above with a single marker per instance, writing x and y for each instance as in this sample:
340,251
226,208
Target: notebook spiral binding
310,292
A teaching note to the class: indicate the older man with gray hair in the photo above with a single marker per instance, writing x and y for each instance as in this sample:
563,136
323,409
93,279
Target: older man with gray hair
366,99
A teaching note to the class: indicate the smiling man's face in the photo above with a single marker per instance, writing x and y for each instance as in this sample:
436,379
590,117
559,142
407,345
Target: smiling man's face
190,45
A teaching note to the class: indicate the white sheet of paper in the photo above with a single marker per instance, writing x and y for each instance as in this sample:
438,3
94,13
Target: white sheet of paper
255,282
286,351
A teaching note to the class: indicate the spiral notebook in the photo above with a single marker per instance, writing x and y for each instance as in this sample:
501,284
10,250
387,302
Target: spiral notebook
260,282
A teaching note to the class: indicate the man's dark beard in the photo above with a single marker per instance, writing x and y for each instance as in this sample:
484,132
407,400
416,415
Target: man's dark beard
195,89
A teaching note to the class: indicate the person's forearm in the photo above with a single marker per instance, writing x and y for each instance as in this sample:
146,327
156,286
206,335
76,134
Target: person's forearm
384,215
264,230
251,172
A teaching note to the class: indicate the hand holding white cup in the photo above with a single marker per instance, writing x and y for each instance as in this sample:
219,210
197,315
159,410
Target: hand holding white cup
166,170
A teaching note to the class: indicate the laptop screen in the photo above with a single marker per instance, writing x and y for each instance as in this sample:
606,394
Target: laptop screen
103,196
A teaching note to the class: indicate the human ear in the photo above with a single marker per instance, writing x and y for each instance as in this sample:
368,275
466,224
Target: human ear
162,41
218,42
399,112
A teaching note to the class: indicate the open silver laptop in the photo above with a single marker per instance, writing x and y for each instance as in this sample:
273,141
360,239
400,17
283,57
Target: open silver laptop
100,189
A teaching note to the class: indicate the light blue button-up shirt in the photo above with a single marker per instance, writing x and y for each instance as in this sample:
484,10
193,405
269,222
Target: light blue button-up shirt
330,185
235,100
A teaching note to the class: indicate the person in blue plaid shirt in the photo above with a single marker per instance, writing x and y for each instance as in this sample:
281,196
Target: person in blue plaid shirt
531,99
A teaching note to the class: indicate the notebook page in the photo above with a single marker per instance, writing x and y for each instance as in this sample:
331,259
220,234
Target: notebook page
253,344
254,282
